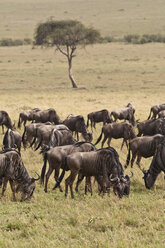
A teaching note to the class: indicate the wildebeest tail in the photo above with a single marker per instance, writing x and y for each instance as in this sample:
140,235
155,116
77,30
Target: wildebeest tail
44,168
128,156
149,114
99,138
62,174
19,122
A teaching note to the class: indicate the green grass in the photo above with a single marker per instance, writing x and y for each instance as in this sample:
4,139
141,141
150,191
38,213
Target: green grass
109,76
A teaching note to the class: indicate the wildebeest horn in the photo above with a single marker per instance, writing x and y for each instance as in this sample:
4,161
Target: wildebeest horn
113,179
131,174
123,179
36,179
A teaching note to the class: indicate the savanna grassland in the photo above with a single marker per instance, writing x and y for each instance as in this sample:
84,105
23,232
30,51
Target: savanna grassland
109,76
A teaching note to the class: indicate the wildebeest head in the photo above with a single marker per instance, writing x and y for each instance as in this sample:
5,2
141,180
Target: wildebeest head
27,188
121,186
88,136
149,179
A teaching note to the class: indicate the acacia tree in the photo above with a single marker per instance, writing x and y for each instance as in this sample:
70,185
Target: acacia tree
66,36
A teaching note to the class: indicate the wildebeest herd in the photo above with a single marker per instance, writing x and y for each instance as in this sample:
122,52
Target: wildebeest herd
62,151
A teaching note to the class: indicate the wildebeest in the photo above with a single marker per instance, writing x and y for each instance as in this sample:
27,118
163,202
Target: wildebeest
155,110
161,114
47,115
56,158
143,147
5,120
157,165
12,139
29,133
150,127
99,116
77,124
126,113
116,130
52,135
13,170
101,163
60,137
26,115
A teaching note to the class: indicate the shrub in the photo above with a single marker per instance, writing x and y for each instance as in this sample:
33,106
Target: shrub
17,42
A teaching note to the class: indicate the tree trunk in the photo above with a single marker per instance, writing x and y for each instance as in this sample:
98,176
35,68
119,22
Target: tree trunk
74,85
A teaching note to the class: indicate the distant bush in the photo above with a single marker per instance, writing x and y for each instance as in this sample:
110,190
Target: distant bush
17,42
130,38
145,38
107,39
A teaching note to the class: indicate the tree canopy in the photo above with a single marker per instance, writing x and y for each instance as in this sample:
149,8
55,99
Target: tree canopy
65,36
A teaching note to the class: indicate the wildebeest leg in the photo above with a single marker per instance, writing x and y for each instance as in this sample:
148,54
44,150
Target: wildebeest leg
88,186
133,159
79,180
24,123
77,136
122,144
56,175
94,124
5,181
69,181
102,144
47,178
109,141
36,145
91,125
124,141
138,160
13,189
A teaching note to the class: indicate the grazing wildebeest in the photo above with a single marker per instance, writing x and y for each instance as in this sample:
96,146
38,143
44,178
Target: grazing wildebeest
150,127
116,130
12,139
5,120
126,113
99,116
52,135
157,165
155,110
26,115
47,115
56,158
161,114
143,147
77,124
13,170
101,163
